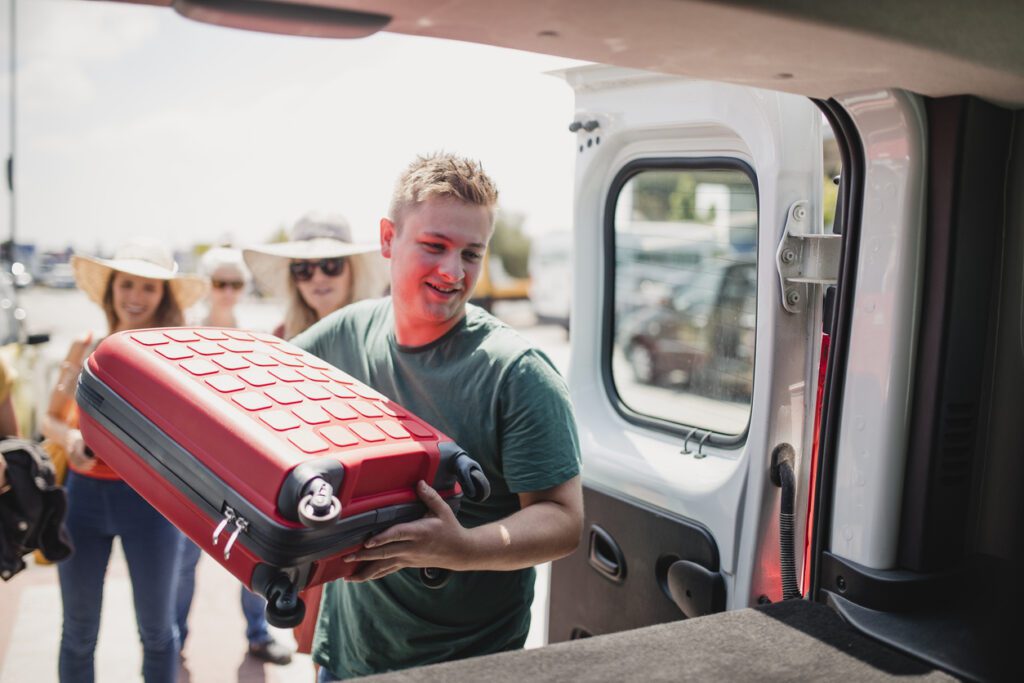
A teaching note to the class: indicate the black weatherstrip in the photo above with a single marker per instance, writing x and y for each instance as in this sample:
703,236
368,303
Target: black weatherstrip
851,201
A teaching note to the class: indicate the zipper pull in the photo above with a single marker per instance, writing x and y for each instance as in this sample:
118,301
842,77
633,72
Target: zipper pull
229,514
241,524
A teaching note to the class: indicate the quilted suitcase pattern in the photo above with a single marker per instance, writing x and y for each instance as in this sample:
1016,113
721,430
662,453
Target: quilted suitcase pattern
275,462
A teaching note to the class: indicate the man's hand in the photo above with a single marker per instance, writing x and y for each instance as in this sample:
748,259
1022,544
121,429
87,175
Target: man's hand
436,540
547,526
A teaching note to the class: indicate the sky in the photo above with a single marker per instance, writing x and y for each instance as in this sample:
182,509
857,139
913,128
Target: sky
132,121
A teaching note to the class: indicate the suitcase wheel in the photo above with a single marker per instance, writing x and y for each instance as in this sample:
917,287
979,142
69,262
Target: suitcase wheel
319,507
285,609
435,578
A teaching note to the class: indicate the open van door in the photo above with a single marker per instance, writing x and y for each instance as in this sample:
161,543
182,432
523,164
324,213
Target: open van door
695,343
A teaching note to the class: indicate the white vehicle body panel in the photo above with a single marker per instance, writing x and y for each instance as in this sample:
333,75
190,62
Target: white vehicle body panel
871,457
647,116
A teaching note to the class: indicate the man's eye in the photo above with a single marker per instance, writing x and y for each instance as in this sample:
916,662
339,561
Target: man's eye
434,246
471,256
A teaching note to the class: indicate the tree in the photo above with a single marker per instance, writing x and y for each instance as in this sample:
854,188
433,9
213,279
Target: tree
510,244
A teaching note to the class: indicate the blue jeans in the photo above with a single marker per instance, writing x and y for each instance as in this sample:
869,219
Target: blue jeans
253,606
325,676
99,510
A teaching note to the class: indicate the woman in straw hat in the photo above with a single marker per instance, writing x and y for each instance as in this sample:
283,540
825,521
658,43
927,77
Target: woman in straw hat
319,271
228,276
140,287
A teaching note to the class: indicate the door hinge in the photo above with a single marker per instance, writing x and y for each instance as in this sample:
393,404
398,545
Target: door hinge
805,259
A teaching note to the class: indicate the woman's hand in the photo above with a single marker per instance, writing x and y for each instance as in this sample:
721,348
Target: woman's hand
79,350
74,445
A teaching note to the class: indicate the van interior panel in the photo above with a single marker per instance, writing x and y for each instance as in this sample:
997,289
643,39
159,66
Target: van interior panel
818,49
652,541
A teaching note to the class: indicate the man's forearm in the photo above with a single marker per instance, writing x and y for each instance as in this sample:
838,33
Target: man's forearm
536,534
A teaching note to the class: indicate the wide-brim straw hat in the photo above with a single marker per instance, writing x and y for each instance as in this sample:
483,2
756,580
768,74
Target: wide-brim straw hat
314,237
142,260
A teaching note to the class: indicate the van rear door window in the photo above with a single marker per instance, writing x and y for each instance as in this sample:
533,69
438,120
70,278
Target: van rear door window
684,309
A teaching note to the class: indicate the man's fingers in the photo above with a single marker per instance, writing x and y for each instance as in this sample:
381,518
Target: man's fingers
384,552
370,571
432,499
397,533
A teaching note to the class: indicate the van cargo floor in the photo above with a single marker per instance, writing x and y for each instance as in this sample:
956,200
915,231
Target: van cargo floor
794,640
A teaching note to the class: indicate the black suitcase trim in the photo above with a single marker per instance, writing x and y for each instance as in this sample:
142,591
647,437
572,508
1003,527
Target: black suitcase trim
270,541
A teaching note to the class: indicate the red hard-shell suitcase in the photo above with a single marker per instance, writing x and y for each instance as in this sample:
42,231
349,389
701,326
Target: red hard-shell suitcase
274,462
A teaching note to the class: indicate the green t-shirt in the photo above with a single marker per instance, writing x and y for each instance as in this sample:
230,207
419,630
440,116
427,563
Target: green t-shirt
502,401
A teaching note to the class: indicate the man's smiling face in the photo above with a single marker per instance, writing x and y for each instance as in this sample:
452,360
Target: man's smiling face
436,256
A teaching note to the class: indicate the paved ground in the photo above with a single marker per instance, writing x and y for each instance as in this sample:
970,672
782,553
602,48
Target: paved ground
30,611
30,622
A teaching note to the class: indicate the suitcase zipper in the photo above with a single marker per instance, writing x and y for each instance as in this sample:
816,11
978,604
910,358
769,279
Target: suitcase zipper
241,526
274,543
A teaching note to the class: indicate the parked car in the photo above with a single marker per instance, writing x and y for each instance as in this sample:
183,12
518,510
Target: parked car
701,336
59,276
496,285
551,278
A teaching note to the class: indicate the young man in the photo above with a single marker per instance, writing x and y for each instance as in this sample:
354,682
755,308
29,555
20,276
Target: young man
497,396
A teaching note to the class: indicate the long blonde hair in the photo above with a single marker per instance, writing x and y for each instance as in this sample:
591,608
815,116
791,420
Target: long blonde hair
299,315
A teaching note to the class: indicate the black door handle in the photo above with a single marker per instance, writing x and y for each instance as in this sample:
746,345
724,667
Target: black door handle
605,555
696,590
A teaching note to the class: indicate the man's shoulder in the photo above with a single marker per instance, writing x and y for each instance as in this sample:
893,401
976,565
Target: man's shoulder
495,338
352,322
363,313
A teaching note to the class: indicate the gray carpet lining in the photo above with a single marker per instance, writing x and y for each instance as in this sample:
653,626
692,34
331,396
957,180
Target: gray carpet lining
795,640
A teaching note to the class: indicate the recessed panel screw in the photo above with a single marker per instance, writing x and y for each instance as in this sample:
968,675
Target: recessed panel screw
788,256
792,297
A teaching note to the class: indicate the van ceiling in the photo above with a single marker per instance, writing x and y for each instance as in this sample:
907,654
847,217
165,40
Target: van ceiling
817,48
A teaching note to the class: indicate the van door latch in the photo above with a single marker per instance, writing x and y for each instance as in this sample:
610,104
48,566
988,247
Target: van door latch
805,258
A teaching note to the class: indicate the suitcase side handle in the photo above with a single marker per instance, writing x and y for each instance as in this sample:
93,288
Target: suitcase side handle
457,465
472,479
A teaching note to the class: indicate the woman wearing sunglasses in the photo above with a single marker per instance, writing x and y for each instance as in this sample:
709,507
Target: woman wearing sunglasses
319,271
228,275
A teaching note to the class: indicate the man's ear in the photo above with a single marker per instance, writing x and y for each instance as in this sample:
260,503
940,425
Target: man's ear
387,233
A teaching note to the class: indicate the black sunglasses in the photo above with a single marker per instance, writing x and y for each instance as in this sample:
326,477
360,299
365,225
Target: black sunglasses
304,270
225,284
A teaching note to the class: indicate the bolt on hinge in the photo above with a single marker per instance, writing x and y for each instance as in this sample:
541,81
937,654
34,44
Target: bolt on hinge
805,259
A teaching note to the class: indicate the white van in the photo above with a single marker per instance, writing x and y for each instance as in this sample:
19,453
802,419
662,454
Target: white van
855,511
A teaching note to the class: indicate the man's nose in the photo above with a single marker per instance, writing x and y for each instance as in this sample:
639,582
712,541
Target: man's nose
451,267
